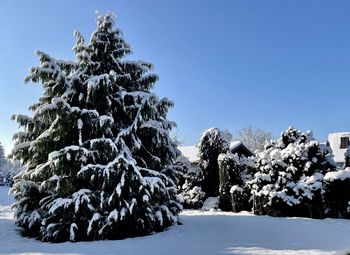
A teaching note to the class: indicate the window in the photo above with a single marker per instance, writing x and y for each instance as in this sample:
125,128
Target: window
344,142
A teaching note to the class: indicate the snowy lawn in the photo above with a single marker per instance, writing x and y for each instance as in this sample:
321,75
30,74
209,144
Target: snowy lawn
201,233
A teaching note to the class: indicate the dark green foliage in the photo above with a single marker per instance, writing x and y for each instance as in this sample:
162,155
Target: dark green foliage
289,178
337,194
212,143
191,191
97,148
234,173
189,179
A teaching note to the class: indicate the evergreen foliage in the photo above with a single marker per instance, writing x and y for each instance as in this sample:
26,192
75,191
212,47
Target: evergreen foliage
235,172
191,194
97,148
337,195
212,143
289,178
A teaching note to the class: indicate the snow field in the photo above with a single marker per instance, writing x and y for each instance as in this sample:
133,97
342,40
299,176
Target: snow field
201,233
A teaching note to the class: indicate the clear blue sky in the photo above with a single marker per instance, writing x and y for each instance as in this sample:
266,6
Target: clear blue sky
228,64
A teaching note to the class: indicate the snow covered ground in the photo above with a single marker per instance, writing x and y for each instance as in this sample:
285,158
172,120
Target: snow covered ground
201,233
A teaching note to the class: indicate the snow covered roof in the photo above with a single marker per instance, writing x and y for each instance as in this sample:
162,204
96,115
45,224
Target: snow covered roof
234,144
190,152
334,140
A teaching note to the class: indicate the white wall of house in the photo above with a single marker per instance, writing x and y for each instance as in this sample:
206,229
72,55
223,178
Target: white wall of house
339,142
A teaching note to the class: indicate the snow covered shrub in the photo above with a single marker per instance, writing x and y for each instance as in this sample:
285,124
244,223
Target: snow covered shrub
189,184
212,143
179,171
191,191
337,194
97,146
289,177
234,173
211,204
192,196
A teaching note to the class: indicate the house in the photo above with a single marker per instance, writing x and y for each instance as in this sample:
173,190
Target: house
240,148
192,152
339,142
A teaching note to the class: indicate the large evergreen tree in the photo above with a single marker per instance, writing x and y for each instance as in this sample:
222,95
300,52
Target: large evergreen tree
97,148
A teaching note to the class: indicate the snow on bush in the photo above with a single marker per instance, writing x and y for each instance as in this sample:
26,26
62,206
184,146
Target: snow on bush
234,173
289,177
192,197
337,175
337,193
190,191
212,143
211,204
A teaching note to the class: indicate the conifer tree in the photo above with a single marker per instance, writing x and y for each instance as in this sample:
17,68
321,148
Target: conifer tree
212,143
234,173
289,177
97,148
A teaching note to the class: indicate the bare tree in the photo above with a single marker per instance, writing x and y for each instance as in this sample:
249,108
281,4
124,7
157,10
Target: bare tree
253,137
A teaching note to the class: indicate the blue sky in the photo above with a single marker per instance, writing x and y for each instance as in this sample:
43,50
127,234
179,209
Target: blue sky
228,64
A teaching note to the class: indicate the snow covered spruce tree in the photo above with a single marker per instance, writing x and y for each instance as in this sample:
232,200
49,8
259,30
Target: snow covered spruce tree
96,147
212,143
234,173
289,178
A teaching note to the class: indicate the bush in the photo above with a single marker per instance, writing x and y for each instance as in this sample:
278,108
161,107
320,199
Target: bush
234,172
337,194
190,191
212,143
289,177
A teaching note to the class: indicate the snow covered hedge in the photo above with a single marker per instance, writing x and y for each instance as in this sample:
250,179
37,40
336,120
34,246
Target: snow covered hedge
289,178
212,143
337,193
97,148
234,173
